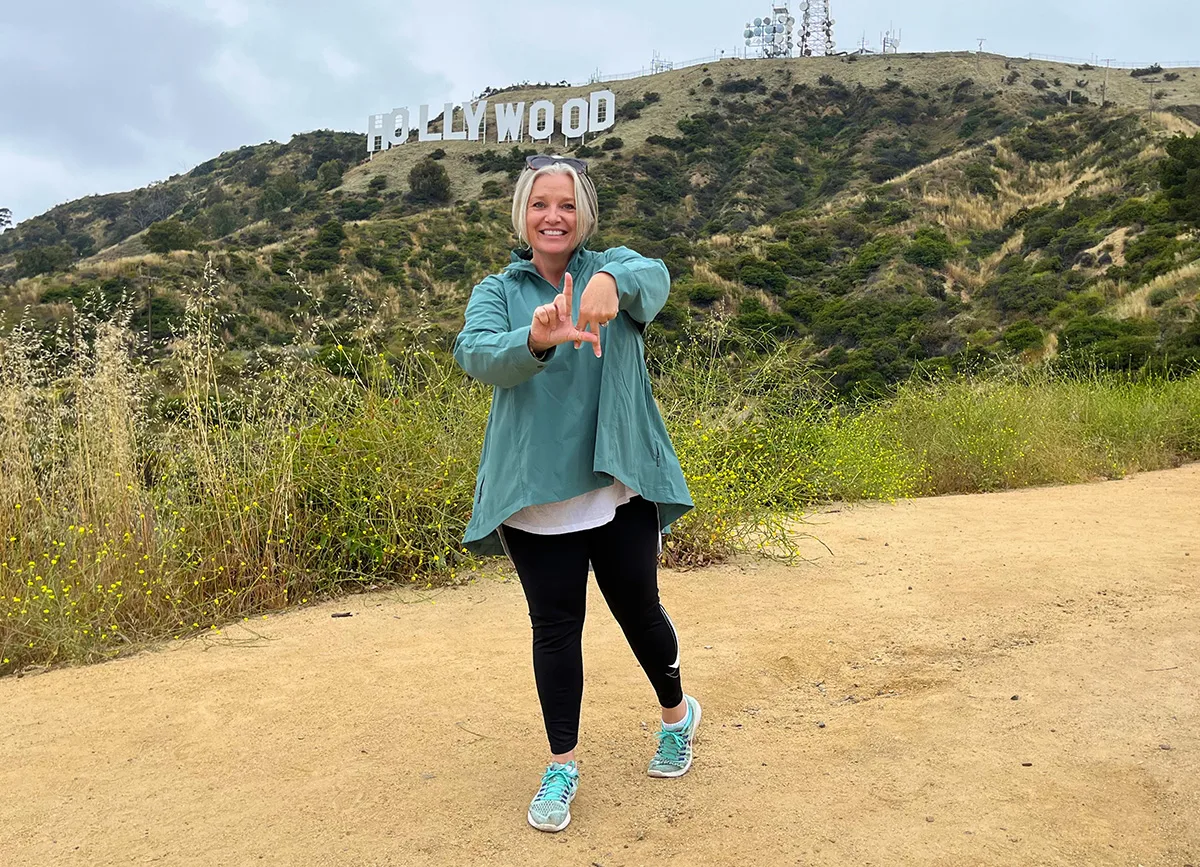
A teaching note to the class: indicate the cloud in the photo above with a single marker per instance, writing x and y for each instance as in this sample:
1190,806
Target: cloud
124,92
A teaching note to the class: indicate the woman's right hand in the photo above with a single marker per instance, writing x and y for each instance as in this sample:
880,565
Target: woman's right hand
553,324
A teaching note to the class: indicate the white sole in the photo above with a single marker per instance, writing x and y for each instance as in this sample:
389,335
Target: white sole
668,775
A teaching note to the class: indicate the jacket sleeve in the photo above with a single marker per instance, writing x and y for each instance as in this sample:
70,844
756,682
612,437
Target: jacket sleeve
487,348
642,284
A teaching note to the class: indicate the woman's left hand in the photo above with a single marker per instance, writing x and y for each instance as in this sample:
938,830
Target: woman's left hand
598,305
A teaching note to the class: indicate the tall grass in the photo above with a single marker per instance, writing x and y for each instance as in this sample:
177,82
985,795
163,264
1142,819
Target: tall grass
141,502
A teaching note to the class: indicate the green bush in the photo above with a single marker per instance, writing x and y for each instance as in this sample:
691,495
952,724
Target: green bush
168,235
44,260
612,143
930,248
704,294
1022,335
429,183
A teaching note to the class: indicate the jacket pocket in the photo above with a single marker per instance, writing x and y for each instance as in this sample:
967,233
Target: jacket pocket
657,455
479,492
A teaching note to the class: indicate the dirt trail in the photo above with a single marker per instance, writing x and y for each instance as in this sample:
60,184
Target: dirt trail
410,734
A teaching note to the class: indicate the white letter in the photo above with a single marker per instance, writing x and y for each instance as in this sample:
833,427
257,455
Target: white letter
476,117
376,130
398,127
571,127
423,133
541,120
609,100
448,131
508,121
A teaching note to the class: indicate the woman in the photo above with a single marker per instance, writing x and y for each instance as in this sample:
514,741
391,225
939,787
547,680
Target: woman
577,467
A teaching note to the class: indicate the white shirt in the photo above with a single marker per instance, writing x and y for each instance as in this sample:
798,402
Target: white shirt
593,509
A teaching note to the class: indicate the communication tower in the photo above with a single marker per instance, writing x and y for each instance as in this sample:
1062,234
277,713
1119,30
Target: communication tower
659,64
772,35
891,42
816,28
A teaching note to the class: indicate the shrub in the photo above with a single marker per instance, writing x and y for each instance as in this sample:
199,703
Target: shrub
437,154
492,190
44,260
1039,84
428,183
377,183
1162,295
651,97
612,143
1023,334
1171,76
631,110
1179,175
704,294
930,248
1152,69
167,235
329,175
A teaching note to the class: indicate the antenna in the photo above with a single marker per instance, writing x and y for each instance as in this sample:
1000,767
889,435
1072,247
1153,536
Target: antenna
771,35
981,41
891,41
816,28
660,64
1104,91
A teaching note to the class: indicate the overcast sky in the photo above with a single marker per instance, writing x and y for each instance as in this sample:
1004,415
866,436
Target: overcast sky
107,95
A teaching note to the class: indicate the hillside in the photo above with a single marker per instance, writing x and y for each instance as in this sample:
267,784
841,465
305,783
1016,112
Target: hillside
884,212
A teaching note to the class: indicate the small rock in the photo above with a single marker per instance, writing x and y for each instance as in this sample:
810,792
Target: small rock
708,647
929,818
910,588
821,725
1027,764
1016,697
1164,746
342,614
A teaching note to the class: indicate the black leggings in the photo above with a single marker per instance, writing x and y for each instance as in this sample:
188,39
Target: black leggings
553,572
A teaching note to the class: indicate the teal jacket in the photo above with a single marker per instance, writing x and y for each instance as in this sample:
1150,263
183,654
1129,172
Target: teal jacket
569,423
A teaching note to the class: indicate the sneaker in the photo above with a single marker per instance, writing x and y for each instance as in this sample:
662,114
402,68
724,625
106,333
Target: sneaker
551,807
674,755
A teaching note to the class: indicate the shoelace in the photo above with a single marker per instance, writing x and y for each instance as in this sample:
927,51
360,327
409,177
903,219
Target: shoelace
671,745
556,783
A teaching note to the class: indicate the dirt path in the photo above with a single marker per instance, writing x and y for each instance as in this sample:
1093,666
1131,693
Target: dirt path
410,734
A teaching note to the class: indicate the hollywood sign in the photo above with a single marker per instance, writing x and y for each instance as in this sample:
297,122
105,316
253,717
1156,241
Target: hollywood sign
469,123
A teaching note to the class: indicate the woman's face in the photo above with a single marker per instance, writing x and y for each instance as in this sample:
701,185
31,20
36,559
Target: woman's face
550,215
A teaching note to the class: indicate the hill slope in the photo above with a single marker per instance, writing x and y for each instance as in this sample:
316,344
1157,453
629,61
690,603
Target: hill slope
885,212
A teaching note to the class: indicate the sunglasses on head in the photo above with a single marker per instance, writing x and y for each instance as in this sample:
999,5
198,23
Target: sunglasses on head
540,161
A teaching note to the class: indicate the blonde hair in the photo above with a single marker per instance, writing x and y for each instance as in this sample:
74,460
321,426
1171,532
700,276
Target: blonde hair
587,209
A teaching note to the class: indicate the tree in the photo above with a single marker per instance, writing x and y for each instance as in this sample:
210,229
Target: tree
329,175
5,219
428,183
1179,174
43,260
168,235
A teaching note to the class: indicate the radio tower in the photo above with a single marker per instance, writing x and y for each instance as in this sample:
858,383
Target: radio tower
816,28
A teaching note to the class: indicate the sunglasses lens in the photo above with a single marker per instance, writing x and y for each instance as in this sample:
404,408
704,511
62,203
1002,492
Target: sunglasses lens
541,161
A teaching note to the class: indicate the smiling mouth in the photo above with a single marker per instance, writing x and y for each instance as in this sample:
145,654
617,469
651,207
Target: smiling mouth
554,233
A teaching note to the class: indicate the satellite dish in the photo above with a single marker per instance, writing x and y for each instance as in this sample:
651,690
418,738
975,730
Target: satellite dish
748,33
747,41
758,22
767,20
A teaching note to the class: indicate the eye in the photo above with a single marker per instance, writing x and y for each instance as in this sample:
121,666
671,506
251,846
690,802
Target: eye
568,207
538,205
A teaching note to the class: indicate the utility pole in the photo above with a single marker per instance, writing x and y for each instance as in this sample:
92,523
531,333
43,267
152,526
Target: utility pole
1104,91
981,41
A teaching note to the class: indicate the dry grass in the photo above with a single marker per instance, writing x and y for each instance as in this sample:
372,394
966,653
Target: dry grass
705,274
1172,123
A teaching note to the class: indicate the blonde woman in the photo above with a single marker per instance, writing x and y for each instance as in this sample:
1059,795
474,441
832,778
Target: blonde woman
577,467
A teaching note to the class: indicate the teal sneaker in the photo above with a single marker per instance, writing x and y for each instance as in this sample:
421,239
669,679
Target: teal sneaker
551,807
674,755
